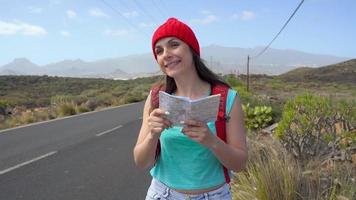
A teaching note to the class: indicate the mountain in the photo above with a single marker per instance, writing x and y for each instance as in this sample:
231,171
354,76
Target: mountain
220,59
21,66
272,61
343,72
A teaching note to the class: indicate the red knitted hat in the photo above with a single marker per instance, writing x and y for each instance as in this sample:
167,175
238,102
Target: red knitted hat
175,28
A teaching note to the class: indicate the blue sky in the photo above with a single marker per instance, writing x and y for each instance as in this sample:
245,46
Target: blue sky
47,31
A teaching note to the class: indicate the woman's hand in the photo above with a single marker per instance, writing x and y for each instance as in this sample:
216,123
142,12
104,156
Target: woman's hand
199,132
157,122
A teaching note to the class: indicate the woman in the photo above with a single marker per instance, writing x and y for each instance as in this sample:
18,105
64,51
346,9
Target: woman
191,158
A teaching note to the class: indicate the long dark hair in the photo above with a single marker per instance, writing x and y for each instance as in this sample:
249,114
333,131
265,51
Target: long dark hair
169,85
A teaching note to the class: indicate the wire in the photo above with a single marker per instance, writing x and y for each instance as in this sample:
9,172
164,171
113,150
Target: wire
144,11
128,21
162,14
279,31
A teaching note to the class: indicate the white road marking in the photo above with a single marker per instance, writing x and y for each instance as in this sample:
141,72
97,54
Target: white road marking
108,131
27,162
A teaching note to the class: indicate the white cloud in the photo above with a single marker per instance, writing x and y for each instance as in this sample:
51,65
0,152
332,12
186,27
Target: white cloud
244,16
35,10
145,25
53,3
131,14
96,12
205,12
207,20
121,32
65,33
71,14
19,27
247,15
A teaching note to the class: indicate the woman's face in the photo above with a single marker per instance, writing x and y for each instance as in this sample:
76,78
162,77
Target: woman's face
174,56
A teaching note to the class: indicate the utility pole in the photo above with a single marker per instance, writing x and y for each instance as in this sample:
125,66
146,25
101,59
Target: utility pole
248,73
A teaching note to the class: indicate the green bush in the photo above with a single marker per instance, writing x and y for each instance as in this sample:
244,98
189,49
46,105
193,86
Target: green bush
4,104
308,128
232,80
257,117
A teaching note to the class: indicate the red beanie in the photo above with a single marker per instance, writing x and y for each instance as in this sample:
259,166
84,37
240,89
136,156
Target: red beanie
175,28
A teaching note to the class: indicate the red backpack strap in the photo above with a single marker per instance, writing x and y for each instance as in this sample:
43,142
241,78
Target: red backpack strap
155,104
154,96
220,123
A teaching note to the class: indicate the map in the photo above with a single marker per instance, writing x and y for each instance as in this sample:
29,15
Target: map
183,108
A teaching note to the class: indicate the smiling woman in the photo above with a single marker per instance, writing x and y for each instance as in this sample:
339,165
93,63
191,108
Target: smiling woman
192,161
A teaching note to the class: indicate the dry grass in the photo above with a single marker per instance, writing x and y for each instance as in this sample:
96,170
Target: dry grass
272,174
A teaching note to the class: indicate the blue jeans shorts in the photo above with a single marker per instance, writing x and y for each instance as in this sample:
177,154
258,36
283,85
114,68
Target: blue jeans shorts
159,191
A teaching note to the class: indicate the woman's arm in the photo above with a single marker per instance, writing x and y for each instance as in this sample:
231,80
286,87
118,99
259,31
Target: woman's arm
152,125
233,154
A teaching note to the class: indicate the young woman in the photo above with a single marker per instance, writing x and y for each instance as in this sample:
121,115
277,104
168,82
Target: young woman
191,159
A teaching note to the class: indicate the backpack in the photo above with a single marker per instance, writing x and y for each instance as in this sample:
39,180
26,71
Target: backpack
220,123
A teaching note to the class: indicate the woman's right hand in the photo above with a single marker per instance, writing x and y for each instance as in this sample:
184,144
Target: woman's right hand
157,122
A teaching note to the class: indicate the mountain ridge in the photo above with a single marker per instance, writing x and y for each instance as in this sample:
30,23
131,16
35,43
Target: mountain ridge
219,58
343,72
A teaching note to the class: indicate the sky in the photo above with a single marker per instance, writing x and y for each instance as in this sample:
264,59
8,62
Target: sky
48,31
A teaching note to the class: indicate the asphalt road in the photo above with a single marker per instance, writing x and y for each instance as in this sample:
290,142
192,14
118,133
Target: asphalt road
84,157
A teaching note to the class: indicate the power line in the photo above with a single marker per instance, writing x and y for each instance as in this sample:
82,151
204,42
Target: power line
162,14
127,21
279,31
144,11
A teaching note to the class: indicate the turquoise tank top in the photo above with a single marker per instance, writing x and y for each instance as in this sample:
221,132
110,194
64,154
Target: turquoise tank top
185,164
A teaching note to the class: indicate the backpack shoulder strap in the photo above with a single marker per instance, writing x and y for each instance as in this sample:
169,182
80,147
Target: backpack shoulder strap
154,96
220,123
155,104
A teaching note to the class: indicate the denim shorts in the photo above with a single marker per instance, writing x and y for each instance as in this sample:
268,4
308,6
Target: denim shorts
159,191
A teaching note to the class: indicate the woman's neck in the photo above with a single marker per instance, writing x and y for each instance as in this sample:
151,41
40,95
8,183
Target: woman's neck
192,86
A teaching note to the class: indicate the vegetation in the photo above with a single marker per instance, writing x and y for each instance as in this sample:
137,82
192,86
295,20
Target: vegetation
257,117
38,98
310,155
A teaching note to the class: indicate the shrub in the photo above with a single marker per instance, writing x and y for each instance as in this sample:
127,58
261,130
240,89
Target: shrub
270,175
81,109
66,109
92,103
4,104
27,117
257,117
312,127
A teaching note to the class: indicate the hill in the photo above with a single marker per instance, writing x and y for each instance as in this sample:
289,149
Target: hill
219,58
344,72
37,91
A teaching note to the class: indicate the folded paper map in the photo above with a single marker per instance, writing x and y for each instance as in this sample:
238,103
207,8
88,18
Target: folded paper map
182,108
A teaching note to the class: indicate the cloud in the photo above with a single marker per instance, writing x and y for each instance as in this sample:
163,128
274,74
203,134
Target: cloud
131,14
71,14
121,32
244,15
53,3
18,27
35,10
205,12
65,33
247,15
96,12
207,20
145,25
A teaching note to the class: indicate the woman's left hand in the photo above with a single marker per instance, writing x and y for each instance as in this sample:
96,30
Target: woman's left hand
199,132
